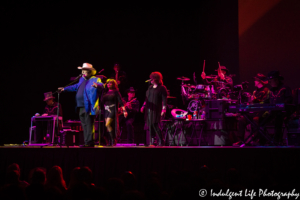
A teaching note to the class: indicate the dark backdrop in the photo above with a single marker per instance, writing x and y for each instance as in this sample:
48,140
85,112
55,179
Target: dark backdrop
43,43
271,41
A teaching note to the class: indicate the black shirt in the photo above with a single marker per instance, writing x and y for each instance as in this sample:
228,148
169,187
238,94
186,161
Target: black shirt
79,95
52,110
156,98
260,94
112,97
280,94
135,105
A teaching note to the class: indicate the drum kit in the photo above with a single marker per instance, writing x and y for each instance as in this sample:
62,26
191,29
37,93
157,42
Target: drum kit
195,95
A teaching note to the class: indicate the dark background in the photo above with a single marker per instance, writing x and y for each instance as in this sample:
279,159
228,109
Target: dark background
44,42
271,40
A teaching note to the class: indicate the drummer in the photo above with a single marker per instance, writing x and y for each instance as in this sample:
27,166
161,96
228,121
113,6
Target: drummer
222,77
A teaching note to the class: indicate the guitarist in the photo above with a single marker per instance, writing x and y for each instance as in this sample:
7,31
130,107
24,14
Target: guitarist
132,106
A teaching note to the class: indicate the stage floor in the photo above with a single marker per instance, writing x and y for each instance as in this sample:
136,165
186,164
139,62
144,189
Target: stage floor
122,146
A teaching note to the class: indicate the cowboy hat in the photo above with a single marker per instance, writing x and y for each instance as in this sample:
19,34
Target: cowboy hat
48,95
131,89
275,74
88,66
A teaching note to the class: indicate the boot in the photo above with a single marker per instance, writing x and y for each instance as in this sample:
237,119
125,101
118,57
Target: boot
161,141
111,140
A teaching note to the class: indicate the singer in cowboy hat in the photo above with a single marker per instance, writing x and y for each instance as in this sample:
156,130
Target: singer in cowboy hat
88,91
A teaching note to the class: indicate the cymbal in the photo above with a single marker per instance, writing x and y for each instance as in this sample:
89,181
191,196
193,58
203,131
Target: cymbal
189,86
212,76
183,78
169,97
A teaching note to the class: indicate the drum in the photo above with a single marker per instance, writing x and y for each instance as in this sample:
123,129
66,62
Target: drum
201,88
223,93
196,105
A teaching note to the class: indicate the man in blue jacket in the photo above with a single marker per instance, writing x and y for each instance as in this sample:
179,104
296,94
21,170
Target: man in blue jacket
89,90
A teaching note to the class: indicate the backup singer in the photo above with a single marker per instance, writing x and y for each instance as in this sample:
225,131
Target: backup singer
111,99
89,89
155,106
260,94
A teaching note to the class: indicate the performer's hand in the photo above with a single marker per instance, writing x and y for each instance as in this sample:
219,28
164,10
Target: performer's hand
142,109
163,112
125,114
45,114
60,89
95,85
128,105
222,76
203,75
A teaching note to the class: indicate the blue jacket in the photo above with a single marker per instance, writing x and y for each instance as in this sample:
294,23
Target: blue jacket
91,94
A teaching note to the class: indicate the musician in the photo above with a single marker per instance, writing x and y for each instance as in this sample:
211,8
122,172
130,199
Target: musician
279,93
111,99
155,106
120,77
260,94
51,107
88,91
223,76
132,106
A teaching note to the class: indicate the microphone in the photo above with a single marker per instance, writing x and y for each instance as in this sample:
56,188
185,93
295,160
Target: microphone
100,71
78,76
148,80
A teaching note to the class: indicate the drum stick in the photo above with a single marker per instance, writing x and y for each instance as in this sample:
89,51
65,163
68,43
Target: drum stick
204,66
219,67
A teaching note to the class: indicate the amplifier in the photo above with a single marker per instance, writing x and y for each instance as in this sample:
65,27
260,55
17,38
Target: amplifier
215,109
69,137
294,133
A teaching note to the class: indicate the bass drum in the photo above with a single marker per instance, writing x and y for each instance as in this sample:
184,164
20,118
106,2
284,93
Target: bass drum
223,93
195,105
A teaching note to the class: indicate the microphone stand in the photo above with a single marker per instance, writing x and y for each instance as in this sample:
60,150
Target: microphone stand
57,115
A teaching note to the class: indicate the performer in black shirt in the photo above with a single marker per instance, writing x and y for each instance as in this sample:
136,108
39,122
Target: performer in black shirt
155,106
111,99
